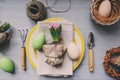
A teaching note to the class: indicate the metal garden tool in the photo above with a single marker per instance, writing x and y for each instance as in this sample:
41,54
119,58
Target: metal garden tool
91,55
23,35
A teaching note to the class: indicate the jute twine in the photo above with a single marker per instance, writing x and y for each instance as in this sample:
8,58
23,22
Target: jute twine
114,15
35,10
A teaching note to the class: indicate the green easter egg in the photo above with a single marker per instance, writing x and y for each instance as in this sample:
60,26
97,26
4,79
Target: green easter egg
6,64
38,41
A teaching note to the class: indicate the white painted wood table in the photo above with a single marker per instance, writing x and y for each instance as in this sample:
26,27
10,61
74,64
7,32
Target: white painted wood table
107,37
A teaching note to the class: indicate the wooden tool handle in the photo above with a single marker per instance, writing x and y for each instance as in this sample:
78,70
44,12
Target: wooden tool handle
91,60
23,58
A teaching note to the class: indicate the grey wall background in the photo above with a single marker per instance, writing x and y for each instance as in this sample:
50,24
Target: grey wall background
106,37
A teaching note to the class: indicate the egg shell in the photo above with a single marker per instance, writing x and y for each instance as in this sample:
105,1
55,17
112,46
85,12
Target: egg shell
73,51
38,41
105,8
7,65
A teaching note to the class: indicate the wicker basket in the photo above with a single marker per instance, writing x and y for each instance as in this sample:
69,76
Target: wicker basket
113,17
112,62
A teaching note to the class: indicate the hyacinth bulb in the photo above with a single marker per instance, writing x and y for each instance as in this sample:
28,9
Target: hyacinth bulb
55,30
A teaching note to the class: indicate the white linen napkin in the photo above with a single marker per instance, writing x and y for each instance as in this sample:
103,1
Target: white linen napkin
66,67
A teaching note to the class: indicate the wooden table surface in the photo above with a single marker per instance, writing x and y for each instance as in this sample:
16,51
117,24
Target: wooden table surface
106,37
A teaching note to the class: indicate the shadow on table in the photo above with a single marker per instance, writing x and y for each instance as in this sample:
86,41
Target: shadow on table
107,28
4,46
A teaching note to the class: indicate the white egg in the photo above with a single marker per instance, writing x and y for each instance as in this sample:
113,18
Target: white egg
73,51
105,8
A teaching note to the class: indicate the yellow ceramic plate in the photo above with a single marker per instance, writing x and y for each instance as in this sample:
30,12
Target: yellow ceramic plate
78,39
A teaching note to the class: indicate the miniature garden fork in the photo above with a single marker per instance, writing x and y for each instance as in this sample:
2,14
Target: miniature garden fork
23,35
